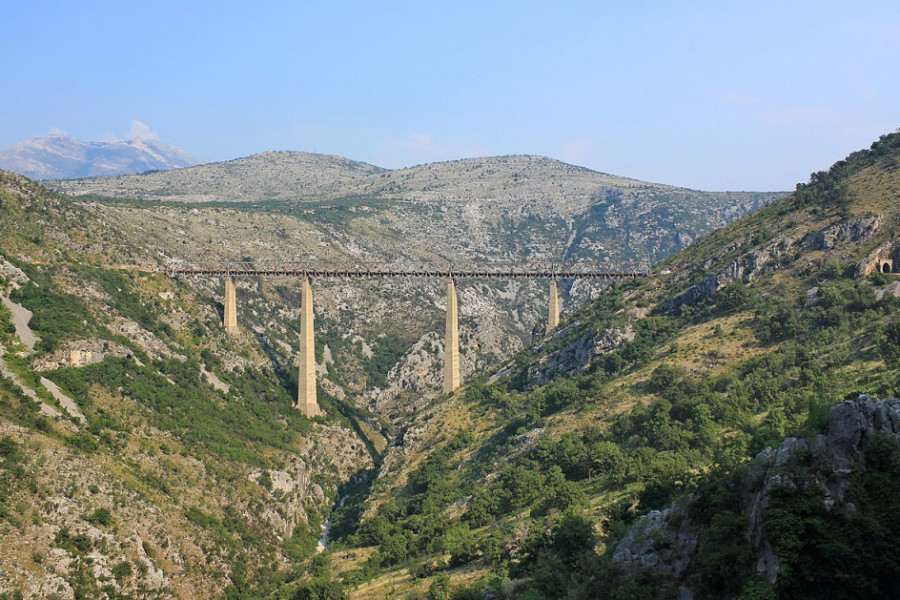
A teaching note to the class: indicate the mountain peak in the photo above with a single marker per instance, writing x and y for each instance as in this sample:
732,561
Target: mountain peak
58,155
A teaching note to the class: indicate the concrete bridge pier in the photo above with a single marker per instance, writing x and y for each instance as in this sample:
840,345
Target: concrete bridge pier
230,316
553,316
451,342
306,382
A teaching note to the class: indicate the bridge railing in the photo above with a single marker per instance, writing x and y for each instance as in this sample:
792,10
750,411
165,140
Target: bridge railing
579,270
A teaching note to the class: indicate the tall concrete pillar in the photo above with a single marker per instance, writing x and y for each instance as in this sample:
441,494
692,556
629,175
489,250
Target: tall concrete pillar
306,383
451,342
553,316
230,316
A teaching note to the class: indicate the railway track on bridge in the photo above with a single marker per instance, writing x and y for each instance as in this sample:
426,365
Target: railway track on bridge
410,273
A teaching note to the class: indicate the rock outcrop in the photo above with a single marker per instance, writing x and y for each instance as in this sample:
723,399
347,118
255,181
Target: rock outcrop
577,355
641,548
854,230
754,263
665,542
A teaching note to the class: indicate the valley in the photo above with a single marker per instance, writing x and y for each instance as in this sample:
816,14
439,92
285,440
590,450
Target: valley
191,474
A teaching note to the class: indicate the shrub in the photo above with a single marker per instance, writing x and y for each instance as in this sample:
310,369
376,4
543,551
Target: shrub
101,516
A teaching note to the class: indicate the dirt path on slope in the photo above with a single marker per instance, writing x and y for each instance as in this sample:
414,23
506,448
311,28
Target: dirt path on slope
21,316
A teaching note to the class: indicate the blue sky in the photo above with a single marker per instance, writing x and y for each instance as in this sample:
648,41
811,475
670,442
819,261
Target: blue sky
709,95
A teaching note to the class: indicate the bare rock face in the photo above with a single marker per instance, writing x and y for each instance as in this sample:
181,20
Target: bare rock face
641,548
16,275
80,353
288,488
855,230
345,451
746,268
577,355
666,541
892,289
750,265
291,489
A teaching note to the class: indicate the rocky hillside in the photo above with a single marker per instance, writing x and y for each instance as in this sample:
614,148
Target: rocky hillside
510,208
142,453
626,455
58,156
477,193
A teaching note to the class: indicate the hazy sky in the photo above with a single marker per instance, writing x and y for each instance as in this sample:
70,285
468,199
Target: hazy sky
709,95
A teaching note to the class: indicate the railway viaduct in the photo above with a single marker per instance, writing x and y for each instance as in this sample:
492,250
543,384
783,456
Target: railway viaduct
307,402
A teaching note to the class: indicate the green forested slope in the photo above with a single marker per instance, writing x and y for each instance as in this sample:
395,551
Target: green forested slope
526,484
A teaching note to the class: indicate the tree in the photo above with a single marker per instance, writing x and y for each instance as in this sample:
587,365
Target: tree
440,587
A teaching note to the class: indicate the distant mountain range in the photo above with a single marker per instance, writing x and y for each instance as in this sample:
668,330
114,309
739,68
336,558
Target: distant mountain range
473,210
61,156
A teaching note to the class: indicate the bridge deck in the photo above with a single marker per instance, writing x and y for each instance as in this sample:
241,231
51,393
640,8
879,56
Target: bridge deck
437,273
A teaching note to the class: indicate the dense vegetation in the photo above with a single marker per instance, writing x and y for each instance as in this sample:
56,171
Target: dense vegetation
651,454
259,414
